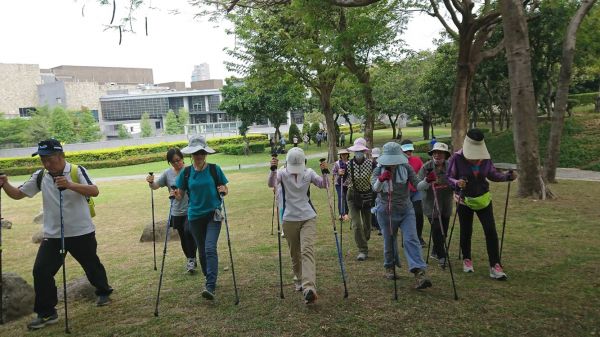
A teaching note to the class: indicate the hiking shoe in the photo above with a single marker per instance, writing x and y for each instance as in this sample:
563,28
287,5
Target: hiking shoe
421,279
389,273
361,256
310,296
209,295
497,273
442,262
298,286
468,266
434,256
190,266
40,322
103,300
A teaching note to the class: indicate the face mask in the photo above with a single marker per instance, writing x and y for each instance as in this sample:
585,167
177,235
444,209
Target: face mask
359,156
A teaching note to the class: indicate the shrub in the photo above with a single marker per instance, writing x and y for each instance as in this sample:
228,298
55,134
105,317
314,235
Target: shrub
314,128
412,124
294,131
584,99
422,146
346,128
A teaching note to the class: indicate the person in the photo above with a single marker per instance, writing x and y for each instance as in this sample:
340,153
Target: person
432,143
299,216
467,172
205,185
272,144
179,210
295,141
433,175
342,139
64,201
375,153
360,196
319,138
306,140
390,180
281,145
339,178
415,196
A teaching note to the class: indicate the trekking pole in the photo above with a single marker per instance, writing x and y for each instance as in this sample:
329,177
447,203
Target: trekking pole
461,195
504,221
63,252
1,288
393,240
237,297
153,231
335,234
429,241
273,155
162,265
436,204
273,169
343,211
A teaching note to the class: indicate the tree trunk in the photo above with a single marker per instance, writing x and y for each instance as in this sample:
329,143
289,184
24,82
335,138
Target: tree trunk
347,119
324,93
460,106
393,124
432,134
516,42
562,91
426,122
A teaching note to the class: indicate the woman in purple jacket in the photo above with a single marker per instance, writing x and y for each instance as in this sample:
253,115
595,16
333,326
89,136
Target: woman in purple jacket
468,170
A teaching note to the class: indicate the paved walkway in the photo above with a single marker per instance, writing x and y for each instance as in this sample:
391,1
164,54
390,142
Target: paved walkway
561,173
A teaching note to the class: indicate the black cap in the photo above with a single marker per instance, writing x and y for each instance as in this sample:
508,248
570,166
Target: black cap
475,134
48,147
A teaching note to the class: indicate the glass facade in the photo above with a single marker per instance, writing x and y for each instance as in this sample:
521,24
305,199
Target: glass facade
175,103
213,102
132,109
197,104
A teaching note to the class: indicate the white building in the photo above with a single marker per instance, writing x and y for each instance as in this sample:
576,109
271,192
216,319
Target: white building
201,72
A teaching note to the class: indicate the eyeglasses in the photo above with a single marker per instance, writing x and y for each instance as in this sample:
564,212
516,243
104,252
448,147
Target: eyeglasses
174,161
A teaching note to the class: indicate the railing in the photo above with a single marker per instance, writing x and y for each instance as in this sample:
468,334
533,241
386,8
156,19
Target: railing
221,128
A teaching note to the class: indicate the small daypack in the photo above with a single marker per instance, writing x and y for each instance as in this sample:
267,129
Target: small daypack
75,179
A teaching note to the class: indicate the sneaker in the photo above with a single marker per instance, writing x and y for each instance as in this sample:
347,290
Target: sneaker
190,266
434,256
361,256
497,273
103,300
310,296
209,295
442,262
421,279
423,244
389,273
468,266
40,322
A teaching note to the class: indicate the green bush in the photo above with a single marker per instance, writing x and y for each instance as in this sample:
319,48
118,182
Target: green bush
412,124
380,125
346,128
422,146
294,131
584,99
238,149
314,128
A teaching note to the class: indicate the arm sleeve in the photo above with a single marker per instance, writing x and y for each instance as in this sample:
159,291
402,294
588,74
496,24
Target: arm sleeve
377,185
423,185
29,188
179,180
84,176
496,176
273,179
452,173
162,179
320,182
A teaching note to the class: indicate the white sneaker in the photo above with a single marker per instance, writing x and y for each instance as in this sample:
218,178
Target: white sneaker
497,273
190,266
361,257
468,266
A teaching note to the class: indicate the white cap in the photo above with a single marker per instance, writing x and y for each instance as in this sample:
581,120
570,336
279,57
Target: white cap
295,160
375,152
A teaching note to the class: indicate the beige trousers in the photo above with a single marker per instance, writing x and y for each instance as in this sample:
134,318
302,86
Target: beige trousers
301,237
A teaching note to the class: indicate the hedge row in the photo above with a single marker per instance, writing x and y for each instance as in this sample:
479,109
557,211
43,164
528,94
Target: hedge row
118,156
238,149
584,99
422,146
346,128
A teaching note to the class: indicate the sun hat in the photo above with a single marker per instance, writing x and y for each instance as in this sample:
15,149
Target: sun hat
407,145
439,146
360,144
343,151
474,145
48,147
392,155
196,144
295,160
375,152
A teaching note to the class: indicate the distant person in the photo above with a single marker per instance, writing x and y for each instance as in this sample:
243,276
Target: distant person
319,138
295,141
306,140
79,230
432,143
342,139
179,212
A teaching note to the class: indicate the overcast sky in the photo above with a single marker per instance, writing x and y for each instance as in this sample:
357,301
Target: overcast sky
54,32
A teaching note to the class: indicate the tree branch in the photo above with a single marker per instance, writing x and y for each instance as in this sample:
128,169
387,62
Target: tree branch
436,13
492,52
450,9
352,3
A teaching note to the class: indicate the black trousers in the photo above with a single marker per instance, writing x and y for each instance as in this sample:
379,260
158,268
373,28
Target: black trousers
188,245
417,205
486,217
436,234
49,260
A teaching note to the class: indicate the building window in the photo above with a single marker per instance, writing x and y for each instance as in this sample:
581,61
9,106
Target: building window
95,114
197,104
26,112
213,102
157,124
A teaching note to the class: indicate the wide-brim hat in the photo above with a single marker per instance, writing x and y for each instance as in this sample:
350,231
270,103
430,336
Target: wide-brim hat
439,146
48,147
295,160
196,144
360,144
392,155
474,146
343,151
375,152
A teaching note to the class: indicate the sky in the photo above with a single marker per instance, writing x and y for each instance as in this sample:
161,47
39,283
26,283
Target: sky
54,32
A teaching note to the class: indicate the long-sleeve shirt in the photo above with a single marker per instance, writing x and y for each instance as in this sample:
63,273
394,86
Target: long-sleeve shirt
340,164
401,176
477,185
294,192
443,190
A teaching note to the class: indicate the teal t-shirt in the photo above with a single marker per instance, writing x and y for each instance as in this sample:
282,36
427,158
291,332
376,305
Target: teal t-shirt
203,197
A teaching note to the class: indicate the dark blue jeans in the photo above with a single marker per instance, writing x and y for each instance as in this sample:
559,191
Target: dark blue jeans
342,200
206,234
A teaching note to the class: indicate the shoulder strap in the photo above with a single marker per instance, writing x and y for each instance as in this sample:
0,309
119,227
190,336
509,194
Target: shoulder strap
38,179
215,176
73,173
186,178
352,175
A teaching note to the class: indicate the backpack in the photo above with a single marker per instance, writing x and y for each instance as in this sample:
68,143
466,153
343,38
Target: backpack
213,173
75,179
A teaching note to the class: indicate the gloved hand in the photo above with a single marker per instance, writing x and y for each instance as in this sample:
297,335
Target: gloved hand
324,167
274,163
431,177
512,175
385,175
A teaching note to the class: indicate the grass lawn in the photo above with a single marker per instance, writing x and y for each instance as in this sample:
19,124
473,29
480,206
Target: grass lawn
551,254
